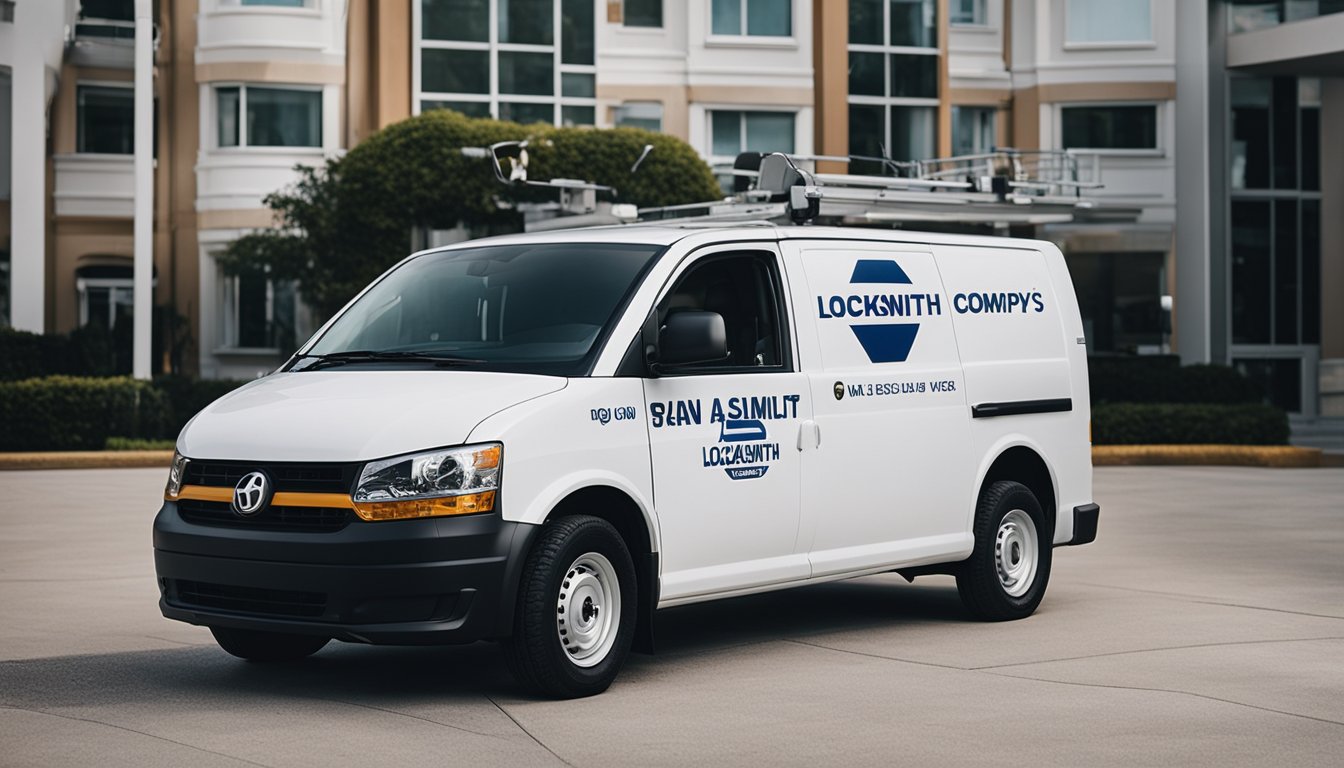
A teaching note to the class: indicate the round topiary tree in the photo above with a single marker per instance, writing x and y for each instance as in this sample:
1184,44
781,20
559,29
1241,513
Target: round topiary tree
341,225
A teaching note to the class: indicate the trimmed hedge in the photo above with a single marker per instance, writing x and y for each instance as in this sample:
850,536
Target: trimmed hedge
88,351
74,413
77,413
1186,424
1161,379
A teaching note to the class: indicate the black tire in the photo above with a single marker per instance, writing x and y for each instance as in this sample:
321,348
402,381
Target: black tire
535,652
267,646
982,588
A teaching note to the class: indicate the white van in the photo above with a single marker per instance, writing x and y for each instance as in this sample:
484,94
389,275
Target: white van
542,439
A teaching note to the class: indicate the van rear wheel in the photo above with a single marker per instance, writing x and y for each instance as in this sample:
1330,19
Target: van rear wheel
1007,572
576,609
267,646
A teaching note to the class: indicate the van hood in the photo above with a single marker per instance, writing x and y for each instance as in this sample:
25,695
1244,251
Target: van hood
347,415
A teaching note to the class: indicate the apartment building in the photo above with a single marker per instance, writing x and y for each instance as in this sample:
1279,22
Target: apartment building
247,89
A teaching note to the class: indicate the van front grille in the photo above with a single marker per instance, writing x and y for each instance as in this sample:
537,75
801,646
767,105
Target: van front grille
292,519
246,600
288,477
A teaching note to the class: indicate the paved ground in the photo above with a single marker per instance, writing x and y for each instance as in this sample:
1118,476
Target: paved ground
1205,627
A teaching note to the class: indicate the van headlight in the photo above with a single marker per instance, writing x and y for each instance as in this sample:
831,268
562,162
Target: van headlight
176,472
451,481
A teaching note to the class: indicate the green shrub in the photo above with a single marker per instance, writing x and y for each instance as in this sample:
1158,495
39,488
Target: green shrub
137,444
1188,423
77,413
1161,379
88,351
187,396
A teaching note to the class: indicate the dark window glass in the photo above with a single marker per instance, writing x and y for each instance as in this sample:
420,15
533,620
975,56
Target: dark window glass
576,32
1285,132
537,308
1286,285
867,135
1120,296
522,112
455,20
445,71
726,17
280,117
914,76
1110,127
529,74
769,18
643,13
1311,148
913,133
1250,272
1311,272
865,22
526,21
914,23
252,325
741,289
106,120
769,131
468,108
227,101
1250,133
116,10
1282,379
573,115
865,74
577,85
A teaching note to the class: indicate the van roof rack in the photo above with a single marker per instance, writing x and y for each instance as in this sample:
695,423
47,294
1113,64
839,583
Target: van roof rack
998,189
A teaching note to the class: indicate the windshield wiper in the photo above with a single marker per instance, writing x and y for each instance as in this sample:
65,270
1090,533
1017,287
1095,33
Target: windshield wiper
335,359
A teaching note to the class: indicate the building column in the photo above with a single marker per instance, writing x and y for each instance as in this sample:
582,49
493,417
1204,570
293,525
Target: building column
1192,306
830,64
1331,377
28,177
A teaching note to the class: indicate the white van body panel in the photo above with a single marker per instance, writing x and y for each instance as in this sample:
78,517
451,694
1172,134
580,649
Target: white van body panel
354,415
593,433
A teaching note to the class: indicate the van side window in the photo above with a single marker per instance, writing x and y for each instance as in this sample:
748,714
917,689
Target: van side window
744,289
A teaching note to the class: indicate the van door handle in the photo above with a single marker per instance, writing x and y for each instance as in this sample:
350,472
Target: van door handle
809,434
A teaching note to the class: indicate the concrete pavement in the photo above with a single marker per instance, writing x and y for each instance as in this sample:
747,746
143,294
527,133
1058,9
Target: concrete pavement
1205,627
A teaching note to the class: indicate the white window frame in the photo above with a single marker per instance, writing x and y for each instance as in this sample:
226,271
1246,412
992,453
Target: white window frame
1159,118
713,39
243,145
121,84
1085,45
887,102
309,8
993,124
982,11
113,284
229,315
493,48
714,159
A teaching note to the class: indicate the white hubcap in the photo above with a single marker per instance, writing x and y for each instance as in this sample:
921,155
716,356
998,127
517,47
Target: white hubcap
1015,553
588,609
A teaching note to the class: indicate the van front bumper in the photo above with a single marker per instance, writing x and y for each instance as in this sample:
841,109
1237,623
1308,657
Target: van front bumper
410,582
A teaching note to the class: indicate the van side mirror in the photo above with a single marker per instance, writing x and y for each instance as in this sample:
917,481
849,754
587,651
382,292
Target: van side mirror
691,337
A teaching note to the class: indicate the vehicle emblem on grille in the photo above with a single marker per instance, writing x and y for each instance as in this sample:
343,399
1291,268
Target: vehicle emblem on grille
251,494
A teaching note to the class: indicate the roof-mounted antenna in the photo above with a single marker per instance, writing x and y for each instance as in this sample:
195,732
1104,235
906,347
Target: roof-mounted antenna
788,183
647,149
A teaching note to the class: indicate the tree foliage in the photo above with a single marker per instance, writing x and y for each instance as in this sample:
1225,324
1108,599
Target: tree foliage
341,225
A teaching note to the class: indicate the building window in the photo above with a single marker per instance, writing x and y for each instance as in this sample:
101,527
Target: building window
106,301
1101,22
1112,127
1250,15
523,60
640,114
972,130
276,117
967,12
105,119
767,18
893,80
643,13
258,313
1275,133
734,131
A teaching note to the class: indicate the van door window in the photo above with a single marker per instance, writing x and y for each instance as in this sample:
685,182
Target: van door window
745,290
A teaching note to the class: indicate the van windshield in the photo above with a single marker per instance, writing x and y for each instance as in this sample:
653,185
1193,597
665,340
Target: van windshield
536,308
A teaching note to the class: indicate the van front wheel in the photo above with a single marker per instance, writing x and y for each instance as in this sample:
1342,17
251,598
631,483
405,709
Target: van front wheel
1006,574
576,609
